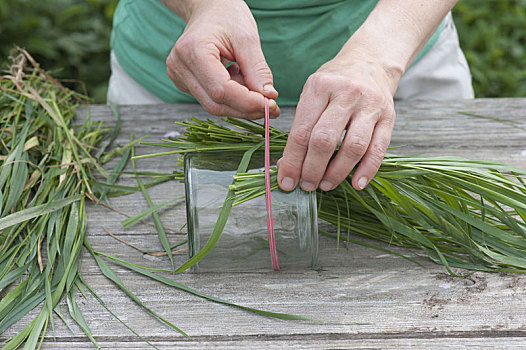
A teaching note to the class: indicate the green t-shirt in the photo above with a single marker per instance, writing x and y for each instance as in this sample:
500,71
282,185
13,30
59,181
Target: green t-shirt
297,37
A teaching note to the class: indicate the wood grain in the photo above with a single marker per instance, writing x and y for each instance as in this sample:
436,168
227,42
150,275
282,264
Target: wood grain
306,343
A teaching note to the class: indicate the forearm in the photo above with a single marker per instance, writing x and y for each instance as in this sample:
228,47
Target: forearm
395,32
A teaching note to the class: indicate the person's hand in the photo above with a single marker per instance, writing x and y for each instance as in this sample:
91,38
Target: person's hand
352,94
218,32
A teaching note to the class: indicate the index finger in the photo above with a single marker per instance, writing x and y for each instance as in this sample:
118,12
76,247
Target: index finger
309,109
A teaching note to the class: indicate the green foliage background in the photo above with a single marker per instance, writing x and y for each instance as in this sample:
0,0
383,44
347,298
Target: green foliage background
71,37
67,37
493,36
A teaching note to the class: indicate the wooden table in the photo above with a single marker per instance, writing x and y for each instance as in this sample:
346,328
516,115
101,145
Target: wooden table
398,303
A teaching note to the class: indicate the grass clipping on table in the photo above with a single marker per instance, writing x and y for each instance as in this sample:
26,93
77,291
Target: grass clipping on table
460,213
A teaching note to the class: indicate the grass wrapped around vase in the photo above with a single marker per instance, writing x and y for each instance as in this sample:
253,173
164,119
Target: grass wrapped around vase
460,213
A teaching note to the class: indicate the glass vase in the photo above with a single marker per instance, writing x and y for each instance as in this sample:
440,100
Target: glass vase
243,245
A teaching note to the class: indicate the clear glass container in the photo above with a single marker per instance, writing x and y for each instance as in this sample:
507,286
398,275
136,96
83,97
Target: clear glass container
243,245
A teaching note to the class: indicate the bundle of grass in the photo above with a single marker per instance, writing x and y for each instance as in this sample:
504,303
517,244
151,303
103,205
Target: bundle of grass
47,166
459,212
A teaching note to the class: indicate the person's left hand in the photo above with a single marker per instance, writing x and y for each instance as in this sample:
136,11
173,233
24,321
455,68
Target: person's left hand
345,94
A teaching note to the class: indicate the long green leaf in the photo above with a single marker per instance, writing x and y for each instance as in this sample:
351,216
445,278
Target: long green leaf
30,213
182,287
156,219
108,272
138,217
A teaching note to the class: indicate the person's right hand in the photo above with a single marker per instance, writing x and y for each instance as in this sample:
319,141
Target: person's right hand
218,32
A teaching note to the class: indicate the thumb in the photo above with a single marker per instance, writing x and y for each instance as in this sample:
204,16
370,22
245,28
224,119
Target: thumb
255,70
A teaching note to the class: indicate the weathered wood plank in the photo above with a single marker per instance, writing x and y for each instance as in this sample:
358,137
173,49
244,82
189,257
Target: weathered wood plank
422,127
459,341
354,286
492,306
445,342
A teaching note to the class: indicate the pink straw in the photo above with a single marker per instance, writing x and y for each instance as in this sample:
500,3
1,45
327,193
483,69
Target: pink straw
270,222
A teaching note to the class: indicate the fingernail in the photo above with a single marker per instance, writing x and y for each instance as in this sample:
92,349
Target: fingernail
307,186
326,185
362,183
269,88
287,184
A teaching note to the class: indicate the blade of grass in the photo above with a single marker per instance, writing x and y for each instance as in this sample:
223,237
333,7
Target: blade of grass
114,134
180,286
30,213
140,216
115,172
156,219
105,306
110,274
